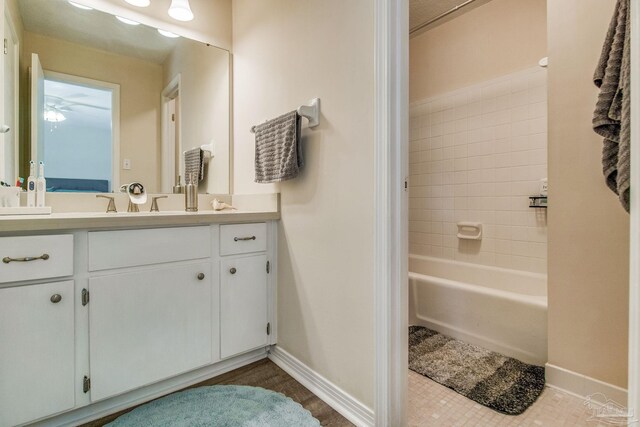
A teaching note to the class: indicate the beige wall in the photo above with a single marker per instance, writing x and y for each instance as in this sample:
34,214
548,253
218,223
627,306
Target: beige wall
497,38
204,98
140,87
588,229
325,257
16,19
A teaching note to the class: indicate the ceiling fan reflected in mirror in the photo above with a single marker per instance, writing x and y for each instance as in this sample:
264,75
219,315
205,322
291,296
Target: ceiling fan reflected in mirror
65,104
55,108
53,115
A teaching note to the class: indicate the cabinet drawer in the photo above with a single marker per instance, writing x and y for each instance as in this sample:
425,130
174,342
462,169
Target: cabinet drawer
35,257
243,238
130,248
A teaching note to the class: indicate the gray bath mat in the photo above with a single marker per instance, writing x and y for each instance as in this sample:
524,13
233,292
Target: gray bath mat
498,382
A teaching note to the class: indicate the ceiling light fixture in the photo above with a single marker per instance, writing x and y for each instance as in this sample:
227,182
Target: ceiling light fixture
139,3
168,34
180,10
54,116
80,6
127,21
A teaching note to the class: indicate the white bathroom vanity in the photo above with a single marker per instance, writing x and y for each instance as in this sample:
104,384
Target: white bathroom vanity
99,312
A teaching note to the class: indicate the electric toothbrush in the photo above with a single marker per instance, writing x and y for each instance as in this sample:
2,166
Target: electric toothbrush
31,185
41,187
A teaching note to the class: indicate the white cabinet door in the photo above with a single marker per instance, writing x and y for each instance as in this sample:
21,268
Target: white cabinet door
149,325
36,351
243,304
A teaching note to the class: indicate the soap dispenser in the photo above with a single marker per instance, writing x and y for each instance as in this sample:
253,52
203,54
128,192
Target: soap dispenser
191,194
177,189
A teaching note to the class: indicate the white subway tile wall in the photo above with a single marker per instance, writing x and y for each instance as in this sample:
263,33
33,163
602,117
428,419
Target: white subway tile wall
477,154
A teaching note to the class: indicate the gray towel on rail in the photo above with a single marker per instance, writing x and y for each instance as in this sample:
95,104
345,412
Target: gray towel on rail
611,118
193,164
278,154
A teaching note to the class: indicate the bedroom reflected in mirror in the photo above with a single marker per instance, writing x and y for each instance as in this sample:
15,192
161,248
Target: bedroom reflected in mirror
80,133
105,101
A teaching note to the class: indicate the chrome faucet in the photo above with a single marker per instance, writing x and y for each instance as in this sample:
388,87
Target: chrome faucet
111,207
132,207
154,203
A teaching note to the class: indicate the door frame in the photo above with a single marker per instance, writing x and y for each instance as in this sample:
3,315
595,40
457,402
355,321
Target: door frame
15,126
391,304
633,386
391,211
168,148
115,115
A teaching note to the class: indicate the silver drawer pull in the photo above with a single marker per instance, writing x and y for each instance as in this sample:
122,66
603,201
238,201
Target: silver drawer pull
43,257
237,239
56,298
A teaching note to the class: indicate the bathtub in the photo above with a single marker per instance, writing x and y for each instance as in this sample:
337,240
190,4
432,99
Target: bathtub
495,308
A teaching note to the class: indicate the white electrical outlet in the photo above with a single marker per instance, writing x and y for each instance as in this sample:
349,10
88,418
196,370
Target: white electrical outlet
126,164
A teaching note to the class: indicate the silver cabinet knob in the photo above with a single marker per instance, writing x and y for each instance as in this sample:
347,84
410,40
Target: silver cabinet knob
56,298
233,270
200,276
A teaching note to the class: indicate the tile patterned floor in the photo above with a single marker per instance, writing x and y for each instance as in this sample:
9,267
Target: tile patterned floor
431,404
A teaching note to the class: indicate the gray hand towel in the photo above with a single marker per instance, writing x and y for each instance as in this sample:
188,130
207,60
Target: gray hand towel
193,164
278,154
611,118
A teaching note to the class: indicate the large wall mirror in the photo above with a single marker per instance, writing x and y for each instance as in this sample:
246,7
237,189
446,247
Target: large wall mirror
105,101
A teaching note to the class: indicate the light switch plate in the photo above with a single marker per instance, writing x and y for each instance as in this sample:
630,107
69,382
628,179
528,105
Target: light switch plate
126,164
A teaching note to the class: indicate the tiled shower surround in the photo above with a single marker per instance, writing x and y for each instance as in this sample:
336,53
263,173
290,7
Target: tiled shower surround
476,154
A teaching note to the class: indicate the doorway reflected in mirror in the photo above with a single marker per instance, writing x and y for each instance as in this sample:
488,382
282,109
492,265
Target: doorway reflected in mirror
79,144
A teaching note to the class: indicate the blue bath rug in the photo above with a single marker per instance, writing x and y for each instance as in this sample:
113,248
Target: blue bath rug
220,406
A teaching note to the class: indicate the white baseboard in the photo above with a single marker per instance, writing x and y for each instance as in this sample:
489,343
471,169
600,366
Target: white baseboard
338,399
136,397
582,386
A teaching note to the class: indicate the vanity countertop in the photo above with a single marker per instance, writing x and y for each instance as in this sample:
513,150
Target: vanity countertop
250,209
